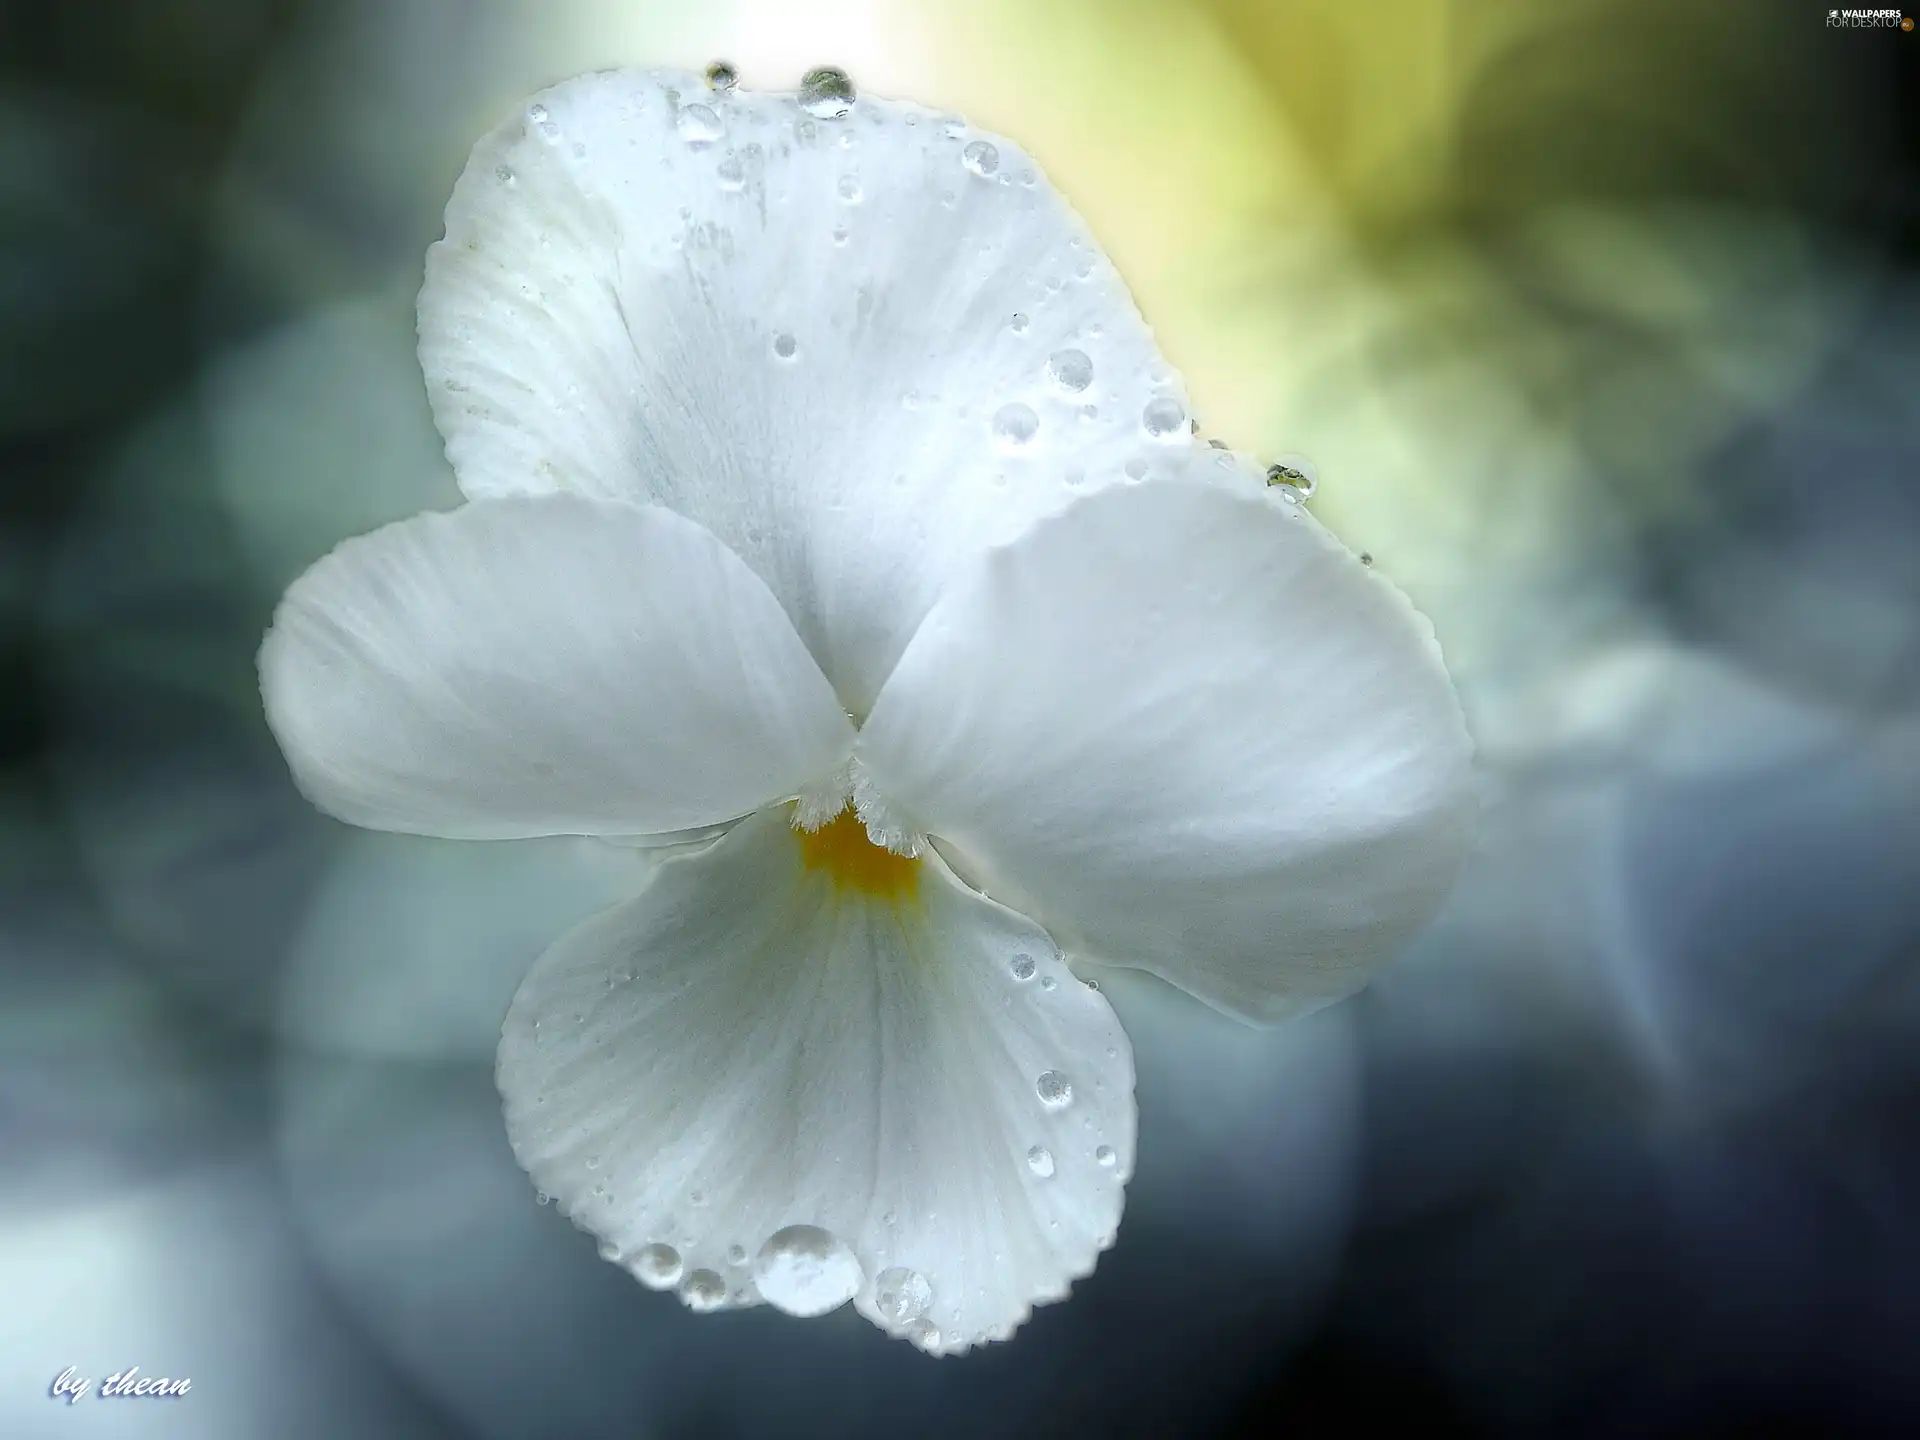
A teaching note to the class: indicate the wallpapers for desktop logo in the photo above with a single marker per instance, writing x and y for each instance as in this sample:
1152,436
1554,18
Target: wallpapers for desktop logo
1868,20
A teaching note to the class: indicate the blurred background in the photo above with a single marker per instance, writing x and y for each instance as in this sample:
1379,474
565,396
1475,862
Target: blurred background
1600,322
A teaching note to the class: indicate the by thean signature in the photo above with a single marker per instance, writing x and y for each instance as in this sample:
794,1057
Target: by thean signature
68,1385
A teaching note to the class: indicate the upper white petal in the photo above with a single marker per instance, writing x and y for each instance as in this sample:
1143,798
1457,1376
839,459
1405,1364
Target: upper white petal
742,1049
1187,731
852,353
543,666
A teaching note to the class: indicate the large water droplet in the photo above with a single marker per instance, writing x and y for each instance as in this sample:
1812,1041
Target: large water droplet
925,1334
657,1266
981,158
850,189
805,1271
784,345
732,174
1105,1156
699,125
1163,418
1071,370
1055,1089
1015,423
703,1290
1297,471
722,76
901,1295
1040,1161
1022,967
1019,323
826,93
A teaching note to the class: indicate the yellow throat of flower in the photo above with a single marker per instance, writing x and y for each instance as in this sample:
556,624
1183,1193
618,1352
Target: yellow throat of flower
840,848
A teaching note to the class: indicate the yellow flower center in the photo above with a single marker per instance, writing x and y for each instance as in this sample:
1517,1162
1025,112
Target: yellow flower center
853,862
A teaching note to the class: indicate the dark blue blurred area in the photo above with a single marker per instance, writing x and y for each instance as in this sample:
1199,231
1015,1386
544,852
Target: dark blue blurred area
1629,1144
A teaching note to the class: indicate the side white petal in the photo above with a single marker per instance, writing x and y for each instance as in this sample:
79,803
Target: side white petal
743,1048
857,349
543,666
1189,732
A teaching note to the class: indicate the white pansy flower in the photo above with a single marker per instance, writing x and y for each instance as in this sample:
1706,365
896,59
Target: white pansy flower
826,492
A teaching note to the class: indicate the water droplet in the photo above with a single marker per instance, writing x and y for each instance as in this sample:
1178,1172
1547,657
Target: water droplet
850,189
840,233
981,158
1296,471
925,1334
609,1251
1071,370
1055,1089
699,125
826,93
736,1255
1216,444
784,345
697,1197
722,77
593,1162
1136,469
732,174
540,1197
805,1271
1019,323
1022,967
901,1295
1047,982
1105,1156
1040,1159
503,174
1163,418
1366,558
703,1290
657,1266
1015,423
537,114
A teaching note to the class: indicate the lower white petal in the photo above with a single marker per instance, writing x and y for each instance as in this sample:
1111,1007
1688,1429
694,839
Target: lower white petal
1189,732
758,1081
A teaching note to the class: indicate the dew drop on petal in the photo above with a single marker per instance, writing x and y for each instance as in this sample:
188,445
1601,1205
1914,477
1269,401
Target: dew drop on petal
699,125
609,1251
1047,982
784,345
1020,323
503,174
1022,967
1071,370
732,174
1040,1161
736,1255
981,158
849,189
1296,471
722,77
1366,558
805,1271
1015,423
826,93
657,1266
1054,1088
703,1290
1105,1156
925,1334
901,1294
1163,418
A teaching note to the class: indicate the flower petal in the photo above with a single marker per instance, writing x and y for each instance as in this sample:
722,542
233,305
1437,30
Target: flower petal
1188,732
857,349
917,1083
543,666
